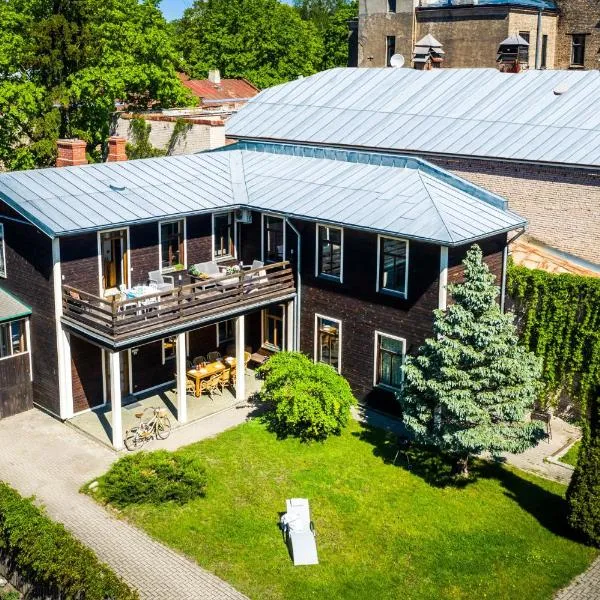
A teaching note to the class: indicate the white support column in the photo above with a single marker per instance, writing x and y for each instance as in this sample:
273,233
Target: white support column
240,383
290,326
114,365
443,291
181,378
68,375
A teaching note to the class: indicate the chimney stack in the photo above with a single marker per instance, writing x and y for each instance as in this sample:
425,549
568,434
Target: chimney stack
116,149
71,153
214,76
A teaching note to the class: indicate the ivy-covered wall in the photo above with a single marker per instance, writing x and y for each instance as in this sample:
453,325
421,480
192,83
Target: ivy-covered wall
559,319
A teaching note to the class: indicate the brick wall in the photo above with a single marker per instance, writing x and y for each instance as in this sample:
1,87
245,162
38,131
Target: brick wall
578,16
527,21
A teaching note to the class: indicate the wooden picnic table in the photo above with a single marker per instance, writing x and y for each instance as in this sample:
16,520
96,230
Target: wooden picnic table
210,369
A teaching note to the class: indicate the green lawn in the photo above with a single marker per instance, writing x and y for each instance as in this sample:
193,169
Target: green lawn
383,531
570,457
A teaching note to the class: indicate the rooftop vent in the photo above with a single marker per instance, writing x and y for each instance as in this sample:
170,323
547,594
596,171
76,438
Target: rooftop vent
561,88
117,187
513,54
428,53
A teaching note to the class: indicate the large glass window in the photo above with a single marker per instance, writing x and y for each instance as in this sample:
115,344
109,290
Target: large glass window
13,338
273,328
578,50
171,245
389,359
393,265
328,333
329,251
273,239
224,230
2,252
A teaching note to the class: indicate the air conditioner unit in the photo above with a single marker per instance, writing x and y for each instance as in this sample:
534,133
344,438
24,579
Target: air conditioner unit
243,215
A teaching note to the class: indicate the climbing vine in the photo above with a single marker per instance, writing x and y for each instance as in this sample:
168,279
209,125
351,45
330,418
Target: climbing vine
140,146
180,131
559,320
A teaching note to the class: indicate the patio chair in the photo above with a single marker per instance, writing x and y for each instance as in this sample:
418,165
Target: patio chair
299,532
225,379
198,360
189,364
210,385
163,282
190,387
210,268
233,376
213,356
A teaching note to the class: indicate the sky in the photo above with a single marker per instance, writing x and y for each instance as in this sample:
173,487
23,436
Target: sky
173,9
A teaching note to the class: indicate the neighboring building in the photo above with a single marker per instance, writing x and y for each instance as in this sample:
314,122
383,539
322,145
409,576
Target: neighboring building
531,137
561,34
229,94
372,240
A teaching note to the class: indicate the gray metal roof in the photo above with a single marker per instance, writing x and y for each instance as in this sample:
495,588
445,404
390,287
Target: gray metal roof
470,112
11,308
373,191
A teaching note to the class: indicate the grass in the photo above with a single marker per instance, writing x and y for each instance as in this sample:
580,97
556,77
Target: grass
382,531
570,458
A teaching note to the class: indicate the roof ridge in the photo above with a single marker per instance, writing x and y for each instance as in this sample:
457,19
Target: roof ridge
435,206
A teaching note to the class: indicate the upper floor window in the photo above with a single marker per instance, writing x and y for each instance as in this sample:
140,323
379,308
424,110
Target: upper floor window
2,252
224,235
390,49
544,59
578,50
330,252
392,275
172,251
13,338
389,360
328,334
273,239
391,6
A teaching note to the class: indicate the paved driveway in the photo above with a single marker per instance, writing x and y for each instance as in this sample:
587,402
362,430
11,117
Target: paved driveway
40,456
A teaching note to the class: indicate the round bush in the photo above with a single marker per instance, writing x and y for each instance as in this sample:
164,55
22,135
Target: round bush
307,400
153,478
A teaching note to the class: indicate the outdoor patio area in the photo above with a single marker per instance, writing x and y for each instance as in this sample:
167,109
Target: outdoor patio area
97,423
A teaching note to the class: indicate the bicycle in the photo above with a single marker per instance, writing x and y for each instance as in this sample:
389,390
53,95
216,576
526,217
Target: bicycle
157,426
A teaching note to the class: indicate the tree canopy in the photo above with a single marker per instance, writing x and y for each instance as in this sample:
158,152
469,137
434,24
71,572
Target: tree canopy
469,388
64,64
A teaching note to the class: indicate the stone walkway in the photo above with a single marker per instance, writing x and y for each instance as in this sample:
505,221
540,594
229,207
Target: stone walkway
40,456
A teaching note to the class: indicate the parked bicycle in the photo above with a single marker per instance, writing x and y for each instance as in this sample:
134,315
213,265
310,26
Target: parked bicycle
157,426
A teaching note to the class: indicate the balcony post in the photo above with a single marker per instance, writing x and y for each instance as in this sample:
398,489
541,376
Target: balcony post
181,378
240,384
290,326
114,365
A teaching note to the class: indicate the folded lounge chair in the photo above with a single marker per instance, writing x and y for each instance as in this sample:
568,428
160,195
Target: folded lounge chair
299,532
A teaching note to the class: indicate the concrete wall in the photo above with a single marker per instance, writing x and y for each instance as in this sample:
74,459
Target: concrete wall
578,16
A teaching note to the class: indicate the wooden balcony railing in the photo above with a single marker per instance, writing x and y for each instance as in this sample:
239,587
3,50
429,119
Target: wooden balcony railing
163,310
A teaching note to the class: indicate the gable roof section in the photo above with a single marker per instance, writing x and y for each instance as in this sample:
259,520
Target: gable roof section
11,307
469,112
225,90
389,194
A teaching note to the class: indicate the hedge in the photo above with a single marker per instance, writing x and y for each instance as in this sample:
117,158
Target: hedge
46,554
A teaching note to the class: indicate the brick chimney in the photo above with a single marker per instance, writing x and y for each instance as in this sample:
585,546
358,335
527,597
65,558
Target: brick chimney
116,149
71,153
214,76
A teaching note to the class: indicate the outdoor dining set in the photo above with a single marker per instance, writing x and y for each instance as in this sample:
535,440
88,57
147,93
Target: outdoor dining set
213,373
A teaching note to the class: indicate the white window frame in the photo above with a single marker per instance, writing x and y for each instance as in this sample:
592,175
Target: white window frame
27,336
262,234
378,287
3,269
265,345
377,384
222,341
316,339
340,279
164,359
212,237
184,263
129,267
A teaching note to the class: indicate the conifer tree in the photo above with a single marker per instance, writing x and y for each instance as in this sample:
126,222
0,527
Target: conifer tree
470,387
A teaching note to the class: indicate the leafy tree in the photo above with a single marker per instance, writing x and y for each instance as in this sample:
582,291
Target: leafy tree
263,41
470,387
64,64
583,495
307,400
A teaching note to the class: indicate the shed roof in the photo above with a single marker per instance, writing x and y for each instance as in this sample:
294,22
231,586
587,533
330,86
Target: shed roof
11,308
373,191
469,112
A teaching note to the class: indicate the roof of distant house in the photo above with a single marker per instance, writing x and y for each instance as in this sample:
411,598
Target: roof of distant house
227,90
386,194
541,116
537,4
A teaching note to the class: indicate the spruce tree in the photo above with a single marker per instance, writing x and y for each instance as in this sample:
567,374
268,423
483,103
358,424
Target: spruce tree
583,494
470,387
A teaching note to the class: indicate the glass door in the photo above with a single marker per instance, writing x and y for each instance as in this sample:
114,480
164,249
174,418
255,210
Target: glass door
113,246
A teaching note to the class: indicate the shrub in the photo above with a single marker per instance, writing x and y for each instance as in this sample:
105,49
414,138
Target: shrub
46,554
153,477
307,400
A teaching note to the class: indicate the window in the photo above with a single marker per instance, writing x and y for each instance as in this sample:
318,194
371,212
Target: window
172,251
389,360
329,252
327,341
526,35
273,328
169,349
2,252
578,50
13,338
273,239
393,266
224,235
390,49
544,57
391,6
225,331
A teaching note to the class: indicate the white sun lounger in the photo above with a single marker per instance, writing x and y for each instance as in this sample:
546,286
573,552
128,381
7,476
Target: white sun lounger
299,532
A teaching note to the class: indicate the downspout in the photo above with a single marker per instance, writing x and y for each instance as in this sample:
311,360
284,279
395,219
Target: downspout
504,267
298,285
538,44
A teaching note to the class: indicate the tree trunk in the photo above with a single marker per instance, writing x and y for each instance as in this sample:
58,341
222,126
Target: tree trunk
462,466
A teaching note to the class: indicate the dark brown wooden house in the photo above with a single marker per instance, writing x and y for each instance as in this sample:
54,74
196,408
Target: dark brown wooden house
353,252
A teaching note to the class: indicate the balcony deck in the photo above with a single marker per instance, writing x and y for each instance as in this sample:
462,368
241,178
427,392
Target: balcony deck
124,323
